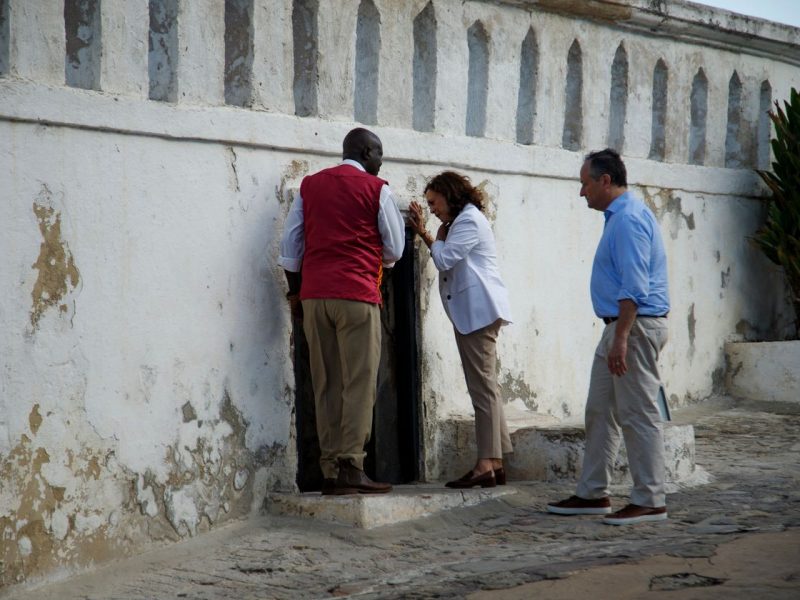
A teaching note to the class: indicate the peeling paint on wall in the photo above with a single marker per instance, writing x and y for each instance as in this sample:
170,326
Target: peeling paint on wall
66,501
58,274
45,520
665,202
294,171
490,193
725,277
35,419
234,174
516,388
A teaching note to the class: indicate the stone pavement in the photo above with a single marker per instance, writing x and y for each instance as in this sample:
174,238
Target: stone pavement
736,537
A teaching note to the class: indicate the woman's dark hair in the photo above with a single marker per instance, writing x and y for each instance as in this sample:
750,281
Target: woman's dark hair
457,191
607,162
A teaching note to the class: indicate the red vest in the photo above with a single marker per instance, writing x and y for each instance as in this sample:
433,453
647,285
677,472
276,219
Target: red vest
343,247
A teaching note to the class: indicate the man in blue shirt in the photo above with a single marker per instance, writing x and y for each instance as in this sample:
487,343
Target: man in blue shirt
629,293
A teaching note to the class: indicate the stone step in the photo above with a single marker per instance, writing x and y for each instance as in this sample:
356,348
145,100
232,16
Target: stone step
404,503
555,452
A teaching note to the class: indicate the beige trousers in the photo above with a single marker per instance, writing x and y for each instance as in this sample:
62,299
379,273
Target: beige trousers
628,404
478,351
344,344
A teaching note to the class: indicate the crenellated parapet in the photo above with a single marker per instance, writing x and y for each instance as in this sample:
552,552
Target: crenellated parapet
671,82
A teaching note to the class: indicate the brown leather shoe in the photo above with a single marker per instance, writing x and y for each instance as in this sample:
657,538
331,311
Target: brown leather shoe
633,513
471,480
574,505
353,480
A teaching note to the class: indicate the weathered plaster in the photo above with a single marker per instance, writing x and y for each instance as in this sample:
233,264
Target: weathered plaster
764,371
159,400
58,274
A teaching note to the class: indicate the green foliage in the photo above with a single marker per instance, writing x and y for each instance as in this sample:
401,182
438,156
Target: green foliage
779,236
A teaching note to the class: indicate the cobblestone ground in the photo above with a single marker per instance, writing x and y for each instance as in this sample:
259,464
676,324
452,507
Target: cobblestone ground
510,548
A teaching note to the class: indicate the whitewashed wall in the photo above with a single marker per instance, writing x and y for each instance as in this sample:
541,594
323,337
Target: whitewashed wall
147,385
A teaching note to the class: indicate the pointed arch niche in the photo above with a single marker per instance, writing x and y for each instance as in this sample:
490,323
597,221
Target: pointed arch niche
618,99
424,97
238,52
733,143
83,40
477,79
698,110
162,56
304,37
5,38
658,127
764,126
572,135
368,52
528,77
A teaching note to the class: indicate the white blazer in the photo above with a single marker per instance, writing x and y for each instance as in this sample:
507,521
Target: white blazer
469,281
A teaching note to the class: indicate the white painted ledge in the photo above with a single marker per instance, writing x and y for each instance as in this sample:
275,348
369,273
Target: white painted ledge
30,102
764,371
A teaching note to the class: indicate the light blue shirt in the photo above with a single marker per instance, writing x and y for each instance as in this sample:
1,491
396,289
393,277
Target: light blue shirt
630,262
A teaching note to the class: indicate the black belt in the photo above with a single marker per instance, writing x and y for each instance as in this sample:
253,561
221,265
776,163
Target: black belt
608,320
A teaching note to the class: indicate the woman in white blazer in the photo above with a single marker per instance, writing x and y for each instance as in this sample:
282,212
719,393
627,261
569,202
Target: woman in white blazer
476,301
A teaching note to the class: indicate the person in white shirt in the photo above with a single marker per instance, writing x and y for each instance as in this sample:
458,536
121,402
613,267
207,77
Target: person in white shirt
476,301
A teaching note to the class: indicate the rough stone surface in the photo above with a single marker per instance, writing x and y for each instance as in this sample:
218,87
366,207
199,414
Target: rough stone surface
743,529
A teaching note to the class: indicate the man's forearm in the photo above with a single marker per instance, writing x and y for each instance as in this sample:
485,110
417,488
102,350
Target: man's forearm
627,315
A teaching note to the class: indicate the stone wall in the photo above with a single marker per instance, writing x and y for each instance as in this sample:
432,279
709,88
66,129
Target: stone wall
148,153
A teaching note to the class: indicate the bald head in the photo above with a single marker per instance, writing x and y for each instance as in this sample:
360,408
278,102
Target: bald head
364,147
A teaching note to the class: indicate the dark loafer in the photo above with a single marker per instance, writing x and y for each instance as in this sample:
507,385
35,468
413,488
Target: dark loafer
500,476
471,480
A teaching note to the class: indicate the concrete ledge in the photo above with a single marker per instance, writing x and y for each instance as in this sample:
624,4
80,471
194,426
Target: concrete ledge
555,452
764,371
59,106
405,503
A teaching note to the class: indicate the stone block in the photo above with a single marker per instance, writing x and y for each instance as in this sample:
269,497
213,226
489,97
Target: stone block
404,503
555,452
764,371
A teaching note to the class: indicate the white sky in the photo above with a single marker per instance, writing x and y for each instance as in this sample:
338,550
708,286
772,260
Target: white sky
782,11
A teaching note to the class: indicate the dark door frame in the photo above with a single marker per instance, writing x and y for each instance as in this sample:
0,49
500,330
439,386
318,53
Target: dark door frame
403,450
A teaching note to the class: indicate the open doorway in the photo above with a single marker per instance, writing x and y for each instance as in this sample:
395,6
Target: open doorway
393,453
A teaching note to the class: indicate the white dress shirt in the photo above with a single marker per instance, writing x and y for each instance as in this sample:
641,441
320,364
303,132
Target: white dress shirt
390,225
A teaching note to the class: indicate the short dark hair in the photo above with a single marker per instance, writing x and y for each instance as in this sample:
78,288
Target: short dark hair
457,191
607,162
356,141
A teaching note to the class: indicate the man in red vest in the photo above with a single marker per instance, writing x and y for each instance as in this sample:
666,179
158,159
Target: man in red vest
343,229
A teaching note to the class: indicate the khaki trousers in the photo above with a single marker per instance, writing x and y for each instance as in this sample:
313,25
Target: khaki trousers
478,351
344,344
628,404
